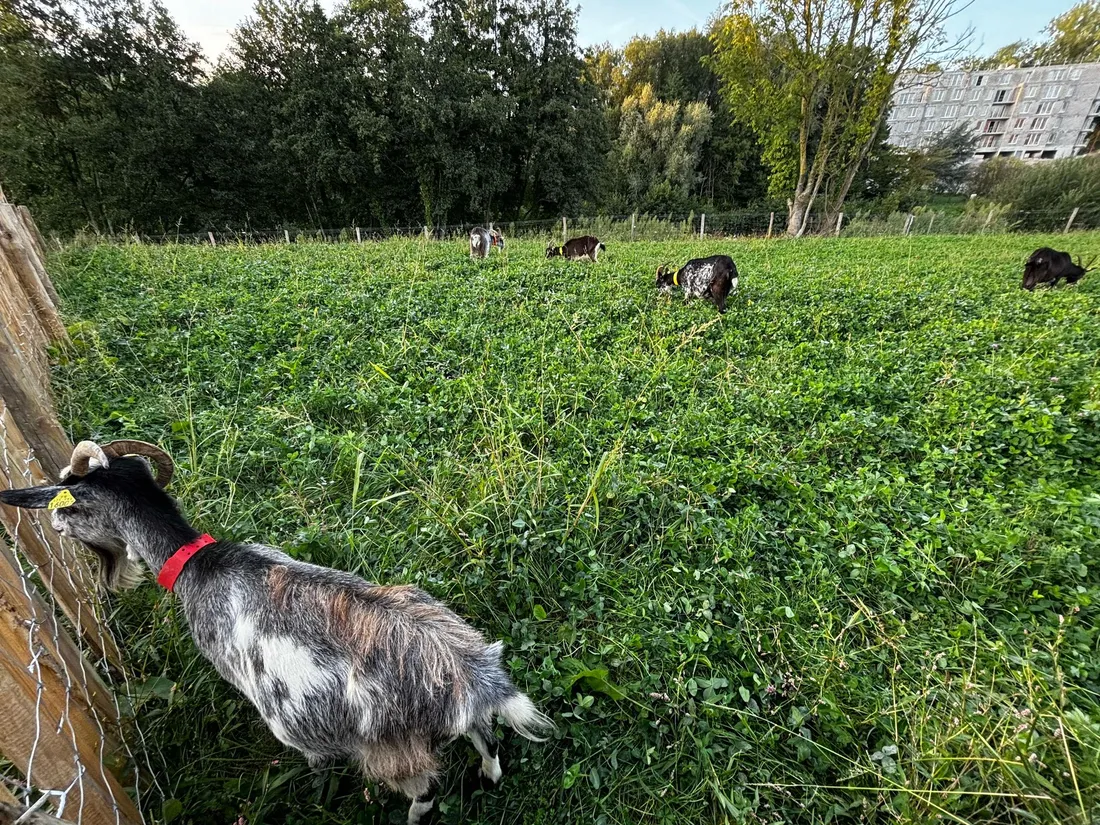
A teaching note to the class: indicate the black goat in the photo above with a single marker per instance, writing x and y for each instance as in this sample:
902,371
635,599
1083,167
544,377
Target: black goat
1048,266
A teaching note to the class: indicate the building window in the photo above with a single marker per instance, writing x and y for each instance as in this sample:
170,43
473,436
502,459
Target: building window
993,126
1019,123
1025,108
1033,138
1014,138
976,94
951,111
1052,92
972,110
1000,95
988,141
1075,74
1039,123
956,94
978,81
1048,154
1056,74
1045,108
908,127
939,95
1032,91
929,126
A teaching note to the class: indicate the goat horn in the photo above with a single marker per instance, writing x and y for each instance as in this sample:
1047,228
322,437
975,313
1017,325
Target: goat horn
83,454
160,459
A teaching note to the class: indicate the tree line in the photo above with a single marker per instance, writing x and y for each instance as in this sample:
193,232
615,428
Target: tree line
387,113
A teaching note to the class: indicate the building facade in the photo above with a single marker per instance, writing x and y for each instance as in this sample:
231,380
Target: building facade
1040,113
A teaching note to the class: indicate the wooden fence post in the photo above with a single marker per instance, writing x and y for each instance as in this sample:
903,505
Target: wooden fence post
210,235
58,720
839,221
909,223
358,235
771,223
286,235
702,224
62,737
633,218
30,273
931,220
563,229
1072,215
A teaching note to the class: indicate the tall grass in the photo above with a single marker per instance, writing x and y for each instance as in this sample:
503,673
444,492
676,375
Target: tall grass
830,557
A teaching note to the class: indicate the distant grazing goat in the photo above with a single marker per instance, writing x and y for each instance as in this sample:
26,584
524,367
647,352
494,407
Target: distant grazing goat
577,248
482,240
1048,266
712,278
339,668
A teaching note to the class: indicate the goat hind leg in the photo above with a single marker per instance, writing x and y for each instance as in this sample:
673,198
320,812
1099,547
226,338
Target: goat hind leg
421,789
483,739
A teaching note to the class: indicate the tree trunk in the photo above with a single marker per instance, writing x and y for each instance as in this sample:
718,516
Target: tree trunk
849,177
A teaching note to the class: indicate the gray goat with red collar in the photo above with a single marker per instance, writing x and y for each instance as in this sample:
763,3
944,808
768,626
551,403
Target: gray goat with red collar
339,668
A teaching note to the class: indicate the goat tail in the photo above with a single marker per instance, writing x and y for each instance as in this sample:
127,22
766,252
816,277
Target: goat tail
602,247
524,718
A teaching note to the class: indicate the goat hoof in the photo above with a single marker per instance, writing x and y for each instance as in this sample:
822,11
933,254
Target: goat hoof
490,770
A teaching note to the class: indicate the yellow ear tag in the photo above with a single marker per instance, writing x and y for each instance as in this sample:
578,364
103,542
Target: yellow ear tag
62,499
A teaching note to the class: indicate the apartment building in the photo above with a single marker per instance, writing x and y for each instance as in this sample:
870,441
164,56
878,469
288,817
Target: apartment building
1040,113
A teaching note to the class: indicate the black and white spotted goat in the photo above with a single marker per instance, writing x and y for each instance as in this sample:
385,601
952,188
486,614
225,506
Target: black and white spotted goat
339,668
482,240
713,278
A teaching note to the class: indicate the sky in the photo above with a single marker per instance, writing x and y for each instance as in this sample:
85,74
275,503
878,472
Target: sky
995,22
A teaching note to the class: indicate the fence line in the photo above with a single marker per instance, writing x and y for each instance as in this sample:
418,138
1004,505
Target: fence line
61,720
667,226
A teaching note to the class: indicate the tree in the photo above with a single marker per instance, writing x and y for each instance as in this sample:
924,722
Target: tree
947,158
1073,37
814,80
675,66
659,146
98,100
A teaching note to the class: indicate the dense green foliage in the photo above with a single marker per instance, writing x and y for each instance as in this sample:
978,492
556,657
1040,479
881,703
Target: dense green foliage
1042,196
1071,37
830,557
388,113
374,114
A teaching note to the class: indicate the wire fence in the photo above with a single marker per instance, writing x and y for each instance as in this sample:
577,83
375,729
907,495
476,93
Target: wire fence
974,219
63,732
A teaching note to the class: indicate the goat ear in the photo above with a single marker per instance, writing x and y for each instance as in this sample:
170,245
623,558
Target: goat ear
36,498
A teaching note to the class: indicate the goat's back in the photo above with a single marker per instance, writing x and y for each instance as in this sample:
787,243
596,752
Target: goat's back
333,662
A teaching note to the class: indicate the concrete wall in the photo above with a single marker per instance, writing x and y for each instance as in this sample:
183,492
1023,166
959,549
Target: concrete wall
1039,113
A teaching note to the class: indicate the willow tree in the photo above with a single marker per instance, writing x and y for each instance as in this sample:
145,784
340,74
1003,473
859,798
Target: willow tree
814,79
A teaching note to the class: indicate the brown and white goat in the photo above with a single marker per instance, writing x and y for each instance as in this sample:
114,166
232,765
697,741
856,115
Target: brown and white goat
575,249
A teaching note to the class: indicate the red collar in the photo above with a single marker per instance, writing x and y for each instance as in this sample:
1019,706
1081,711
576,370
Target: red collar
174,566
